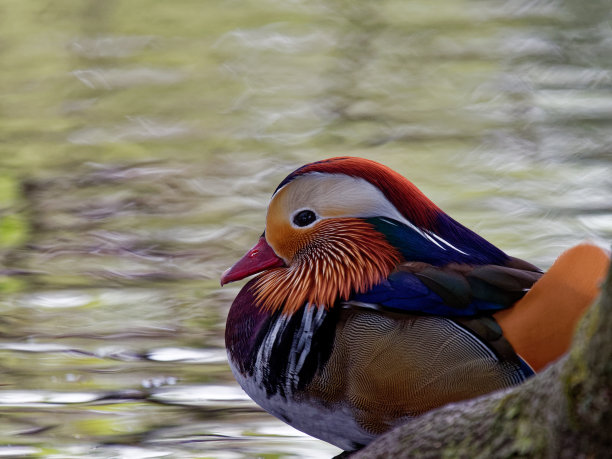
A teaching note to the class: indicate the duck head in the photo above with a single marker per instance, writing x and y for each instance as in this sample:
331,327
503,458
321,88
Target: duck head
340,226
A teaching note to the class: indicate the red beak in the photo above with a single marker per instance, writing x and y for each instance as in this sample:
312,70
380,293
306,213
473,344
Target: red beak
259,258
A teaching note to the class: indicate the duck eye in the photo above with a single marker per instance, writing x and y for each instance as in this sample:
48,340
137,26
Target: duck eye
304,218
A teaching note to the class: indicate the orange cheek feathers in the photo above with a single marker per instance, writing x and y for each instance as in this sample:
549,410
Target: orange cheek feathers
285,240
327,262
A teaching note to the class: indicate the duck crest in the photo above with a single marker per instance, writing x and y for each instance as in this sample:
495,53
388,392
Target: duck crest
345,256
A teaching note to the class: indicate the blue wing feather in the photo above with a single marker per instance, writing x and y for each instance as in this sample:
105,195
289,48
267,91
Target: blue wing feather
403,291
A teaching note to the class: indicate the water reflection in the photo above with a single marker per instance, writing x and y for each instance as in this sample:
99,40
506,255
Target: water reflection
141,143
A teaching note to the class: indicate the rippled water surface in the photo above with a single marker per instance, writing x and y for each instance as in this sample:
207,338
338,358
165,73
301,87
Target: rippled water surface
141,140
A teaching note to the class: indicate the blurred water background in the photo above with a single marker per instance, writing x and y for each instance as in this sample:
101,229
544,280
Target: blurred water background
141,140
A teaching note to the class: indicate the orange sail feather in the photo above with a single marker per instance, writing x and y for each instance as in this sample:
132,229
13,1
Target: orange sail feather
540,326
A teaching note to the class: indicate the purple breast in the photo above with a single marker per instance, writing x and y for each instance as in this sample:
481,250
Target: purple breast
245,321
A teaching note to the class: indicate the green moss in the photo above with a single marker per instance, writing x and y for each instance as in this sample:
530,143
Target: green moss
577,370
527,441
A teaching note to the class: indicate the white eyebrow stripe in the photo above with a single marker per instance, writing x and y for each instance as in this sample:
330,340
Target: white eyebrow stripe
334,195
322,192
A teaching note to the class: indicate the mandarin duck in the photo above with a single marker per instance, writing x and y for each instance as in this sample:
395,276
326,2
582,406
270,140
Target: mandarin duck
373,306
